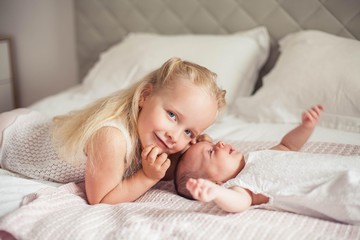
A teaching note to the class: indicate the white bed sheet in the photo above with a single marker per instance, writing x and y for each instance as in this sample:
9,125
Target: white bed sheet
233,128
62,213
14,187
161,213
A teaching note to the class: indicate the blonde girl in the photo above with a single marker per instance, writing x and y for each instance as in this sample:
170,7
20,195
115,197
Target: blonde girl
120,144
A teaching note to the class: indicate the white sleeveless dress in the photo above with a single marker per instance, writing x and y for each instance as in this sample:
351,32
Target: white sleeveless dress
27,149
319,185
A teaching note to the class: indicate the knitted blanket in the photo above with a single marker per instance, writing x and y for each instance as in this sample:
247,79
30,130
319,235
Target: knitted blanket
63,213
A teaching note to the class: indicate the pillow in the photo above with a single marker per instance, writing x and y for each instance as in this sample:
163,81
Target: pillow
313,68
236,58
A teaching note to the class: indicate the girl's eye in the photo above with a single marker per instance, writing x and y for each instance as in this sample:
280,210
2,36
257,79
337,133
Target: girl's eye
172,115
189,133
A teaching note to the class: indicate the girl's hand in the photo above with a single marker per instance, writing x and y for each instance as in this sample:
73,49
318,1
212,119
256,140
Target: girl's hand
310,118
154,165
202,189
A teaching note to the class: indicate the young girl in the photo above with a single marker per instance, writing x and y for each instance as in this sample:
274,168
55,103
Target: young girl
120,144
319,185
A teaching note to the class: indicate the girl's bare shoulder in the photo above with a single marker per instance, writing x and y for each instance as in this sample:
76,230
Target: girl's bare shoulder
108,140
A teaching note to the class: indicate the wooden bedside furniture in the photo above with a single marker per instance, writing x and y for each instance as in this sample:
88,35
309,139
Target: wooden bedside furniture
7,86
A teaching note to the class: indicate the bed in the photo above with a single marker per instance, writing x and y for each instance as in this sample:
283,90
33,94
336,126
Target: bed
274,58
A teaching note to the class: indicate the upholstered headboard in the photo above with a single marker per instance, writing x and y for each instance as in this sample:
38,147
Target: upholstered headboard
100,24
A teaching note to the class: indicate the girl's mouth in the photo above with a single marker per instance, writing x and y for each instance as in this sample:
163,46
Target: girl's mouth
160,142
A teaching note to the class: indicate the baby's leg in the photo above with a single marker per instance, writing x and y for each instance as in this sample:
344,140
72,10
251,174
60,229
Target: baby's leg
7,118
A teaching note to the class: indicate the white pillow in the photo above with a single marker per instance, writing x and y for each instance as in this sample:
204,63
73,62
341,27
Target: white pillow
236,58
314,68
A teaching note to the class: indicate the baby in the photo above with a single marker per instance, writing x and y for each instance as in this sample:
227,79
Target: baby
275,178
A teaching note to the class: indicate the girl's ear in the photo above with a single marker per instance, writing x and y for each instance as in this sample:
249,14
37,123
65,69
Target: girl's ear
145,93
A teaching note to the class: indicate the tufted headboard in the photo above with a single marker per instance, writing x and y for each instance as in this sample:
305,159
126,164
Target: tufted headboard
102,23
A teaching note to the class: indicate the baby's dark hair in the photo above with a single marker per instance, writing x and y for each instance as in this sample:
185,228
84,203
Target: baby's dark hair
180,179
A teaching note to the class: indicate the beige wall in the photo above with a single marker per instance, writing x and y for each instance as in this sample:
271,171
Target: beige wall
44,42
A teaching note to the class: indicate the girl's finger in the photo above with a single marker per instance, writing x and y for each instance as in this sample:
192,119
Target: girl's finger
166,164
153,154
146,151
161,158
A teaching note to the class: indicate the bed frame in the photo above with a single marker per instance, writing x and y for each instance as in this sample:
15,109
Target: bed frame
100,24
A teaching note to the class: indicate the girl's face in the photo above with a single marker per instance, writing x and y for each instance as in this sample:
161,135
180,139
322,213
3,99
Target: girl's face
219,161
171,118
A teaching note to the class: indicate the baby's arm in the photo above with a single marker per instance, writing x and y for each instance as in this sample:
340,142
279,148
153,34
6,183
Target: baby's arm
235,199
296,138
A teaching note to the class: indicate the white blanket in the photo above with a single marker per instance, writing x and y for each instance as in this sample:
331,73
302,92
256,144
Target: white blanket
63,213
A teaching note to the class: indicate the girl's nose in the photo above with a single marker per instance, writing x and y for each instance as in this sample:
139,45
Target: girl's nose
173,136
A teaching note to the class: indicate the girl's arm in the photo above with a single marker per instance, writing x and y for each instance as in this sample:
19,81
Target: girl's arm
235,199
105,168
296,138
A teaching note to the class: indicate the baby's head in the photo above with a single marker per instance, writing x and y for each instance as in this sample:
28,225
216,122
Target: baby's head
216,162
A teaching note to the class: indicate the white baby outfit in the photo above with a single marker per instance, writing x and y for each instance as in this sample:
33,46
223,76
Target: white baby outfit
27,148
319,185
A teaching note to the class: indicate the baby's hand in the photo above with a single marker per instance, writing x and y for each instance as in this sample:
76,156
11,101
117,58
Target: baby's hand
154,165
310,118
202,189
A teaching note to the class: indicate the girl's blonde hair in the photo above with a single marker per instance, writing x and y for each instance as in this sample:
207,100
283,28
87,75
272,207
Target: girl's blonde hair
71,132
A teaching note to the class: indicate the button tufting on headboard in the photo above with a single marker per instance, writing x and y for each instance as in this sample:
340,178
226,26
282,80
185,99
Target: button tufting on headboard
101,24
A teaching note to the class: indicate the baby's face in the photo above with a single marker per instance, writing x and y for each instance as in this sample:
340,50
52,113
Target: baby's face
220,161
